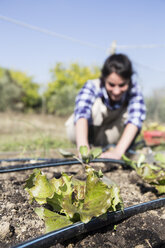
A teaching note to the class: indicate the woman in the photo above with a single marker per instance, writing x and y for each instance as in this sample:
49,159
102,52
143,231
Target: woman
108,110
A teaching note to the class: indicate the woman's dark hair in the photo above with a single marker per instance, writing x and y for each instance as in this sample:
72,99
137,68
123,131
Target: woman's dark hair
118,63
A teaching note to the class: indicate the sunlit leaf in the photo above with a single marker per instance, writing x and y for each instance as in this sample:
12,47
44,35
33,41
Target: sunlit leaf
66,154
129,162
53,221
39,187
95,153
97,198
160,189
140,160
150,173
84,151
71,199
160,158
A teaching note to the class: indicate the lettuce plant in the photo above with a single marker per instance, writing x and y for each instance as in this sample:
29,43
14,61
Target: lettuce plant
153,174
86,155
70,199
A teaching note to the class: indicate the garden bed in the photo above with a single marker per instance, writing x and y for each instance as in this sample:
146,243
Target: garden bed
18,221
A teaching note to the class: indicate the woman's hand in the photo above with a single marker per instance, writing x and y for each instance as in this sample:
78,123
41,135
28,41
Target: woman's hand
111,154
127,137
82,134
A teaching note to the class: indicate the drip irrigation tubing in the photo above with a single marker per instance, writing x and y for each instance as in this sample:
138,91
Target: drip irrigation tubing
78,228
54,163
23,159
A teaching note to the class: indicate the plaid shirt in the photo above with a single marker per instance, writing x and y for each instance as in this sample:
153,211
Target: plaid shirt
88,94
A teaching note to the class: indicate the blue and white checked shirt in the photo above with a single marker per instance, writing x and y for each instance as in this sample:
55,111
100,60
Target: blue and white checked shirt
88,94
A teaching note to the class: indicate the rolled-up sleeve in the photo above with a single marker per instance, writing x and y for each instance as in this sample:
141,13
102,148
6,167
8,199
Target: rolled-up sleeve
136,107
84,101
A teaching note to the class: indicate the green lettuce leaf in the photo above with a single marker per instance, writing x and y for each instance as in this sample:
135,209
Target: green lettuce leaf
161,159
39,187
88,156
62,187
53,221
71,199
150,173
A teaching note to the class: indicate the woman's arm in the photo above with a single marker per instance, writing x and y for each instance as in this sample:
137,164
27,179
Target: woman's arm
82,133
125,141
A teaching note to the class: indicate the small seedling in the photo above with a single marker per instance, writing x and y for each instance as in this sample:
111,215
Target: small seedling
153,174
88,156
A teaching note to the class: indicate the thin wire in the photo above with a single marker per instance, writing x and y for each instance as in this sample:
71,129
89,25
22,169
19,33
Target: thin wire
49,32
140,46
148,67
52,33
54,163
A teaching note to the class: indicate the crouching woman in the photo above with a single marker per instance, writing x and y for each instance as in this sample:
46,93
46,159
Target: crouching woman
108,110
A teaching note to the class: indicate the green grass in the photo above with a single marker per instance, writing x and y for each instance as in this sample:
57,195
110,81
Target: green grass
33,143
34,134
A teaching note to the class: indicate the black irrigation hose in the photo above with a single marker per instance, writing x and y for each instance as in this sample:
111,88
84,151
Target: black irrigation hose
78,228
17,167
22,159
54,163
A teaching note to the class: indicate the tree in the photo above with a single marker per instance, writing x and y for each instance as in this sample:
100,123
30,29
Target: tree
156,106
65,84
10,92
18,91
31,98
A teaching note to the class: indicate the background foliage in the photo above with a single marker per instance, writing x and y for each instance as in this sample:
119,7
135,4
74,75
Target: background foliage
66,82
10,92
18,91
156,106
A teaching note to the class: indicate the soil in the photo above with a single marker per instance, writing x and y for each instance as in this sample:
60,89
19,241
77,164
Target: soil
18,221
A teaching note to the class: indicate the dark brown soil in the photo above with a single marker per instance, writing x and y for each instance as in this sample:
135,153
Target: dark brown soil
19,223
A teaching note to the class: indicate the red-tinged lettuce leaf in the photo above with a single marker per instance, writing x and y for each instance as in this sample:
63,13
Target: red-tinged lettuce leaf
76,200
79,189
92,199
57,183
117,202
71,209
53,221
98,197
39,187
70,195
66,188
63,187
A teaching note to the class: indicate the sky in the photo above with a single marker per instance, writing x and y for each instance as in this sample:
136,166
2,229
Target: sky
36,34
